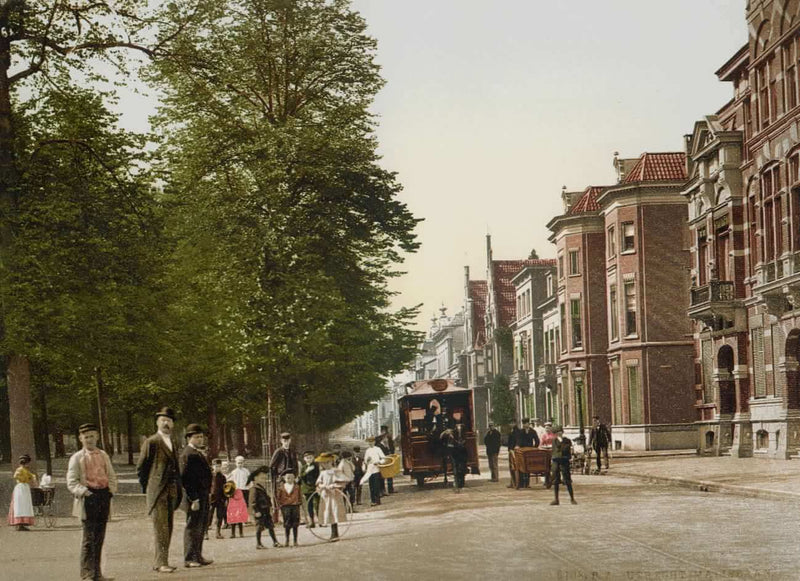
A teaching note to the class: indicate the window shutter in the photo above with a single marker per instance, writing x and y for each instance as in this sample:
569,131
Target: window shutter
758,362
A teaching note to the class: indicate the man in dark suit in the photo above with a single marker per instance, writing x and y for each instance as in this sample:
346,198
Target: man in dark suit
511,444
284,460
159,475
196,481
386,443
492,442
526,438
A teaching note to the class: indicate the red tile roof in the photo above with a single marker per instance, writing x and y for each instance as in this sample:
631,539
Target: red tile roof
588,201
478,292
505,293
658,167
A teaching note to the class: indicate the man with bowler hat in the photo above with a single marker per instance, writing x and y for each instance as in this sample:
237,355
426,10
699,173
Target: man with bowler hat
196,481
92,481
159,475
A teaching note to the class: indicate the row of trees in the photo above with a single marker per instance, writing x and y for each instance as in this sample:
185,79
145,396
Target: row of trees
243,248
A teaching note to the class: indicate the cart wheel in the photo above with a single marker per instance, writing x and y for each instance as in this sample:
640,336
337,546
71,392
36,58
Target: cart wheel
420,481
50,518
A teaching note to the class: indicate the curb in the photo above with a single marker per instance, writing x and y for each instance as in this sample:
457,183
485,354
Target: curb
710,486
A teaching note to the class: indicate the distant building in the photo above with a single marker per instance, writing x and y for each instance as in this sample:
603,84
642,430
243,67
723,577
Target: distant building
475,297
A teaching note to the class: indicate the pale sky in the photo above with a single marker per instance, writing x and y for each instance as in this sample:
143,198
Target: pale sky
491,106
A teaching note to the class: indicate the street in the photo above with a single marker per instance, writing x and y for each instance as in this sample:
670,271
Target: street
621,529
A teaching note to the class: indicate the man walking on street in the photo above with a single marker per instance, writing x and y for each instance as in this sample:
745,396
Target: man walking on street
562,455
372,459
599,440
159,476
386,443
196,481
512,444
527,438
92,481
492,442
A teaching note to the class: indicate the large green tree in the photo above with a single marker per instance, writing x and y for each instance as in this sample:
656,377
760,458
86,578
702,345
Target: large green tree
273,172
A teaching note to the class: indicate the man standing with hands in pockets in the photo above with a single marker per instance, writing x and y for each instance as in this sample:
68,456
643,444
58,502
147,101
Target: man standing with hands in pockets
92,481
196,481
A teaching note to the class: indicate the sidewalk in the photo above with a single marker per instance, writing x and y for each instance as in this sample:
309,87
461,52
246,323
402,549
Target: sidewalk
750,477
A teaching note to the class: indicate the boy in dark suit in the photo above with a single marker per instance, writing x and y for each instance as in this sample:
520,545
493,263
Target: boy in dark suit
562,455
217,500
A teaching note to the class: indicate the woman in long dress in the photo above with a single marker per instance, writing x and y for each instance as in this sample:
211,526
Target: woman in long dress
20,513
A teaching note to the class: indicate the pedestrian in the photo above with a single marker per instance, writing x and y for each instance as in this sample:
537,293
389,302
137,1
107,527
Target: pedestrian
562,455
546,441
599,441
92,481
386,444
237,509
539,429
492,441
372,459
196,479
527,438
20,511
309,472
347,468
241,476
261,506
456,443
159,475
289,499
358,472
512,443
217,500
331,481
283,460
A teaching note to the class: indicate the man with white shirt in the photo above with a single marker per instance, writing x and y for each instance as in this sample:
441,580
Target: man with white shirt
372,459
159,476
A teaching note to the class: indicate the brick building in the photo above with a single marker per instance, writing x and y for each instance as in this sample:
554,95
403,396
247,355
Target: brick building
650,346
475,295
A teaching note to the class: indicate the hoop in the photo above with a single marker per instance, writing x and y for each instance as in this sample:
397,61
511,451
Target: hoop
343,526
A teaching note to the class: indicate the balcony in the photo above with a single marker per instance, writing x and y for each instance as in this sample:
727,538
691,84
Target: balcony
547,373
715,305
520,380
779,284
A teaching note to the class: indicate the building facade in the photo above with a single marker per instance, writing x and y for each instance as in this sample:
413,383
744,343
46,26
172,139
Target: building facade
475,296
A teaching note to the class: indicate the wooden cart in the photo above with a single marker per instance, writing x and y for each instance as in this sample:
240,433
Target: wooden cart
531,461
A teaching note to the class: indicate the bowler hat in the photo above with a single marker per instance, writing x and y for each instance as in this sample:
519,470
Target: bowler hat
166,411
88,428
193,429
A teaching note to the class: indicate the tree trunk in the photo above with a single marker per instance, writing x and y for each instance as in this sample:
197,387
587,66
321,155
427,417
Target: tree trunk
45,428
19,406
102,415
130,435
58,436
213,431
238,435
118,447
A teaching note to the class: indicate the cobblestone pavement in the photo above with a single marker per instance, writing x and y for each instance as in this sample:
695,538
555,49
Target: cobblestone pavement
621,529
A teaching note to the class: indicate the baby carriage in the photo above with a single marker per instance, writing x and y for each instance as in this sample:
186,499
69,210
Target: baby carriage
44,503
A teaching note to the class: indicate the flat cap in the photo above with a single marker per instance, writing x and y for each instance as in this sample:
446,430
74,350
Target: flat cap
89,427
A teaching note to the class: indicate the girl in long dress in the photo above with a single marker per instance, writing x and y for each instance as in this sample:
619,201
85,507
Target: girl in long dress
237,508
20,513
331,481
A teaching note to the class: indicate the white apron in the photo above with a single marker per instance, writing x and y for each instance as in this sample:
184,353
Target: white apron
23,505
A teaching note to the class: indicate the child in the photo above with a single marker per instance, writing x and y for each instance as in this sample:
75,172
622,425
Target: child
289,500
309,472
262,506
218,500
358,473
237,509
332,509
20,513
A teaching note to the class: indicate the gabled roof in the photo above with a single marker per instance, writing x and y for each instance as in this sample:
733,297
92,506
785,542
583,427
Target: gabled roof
503,271
658,167
478,292
588,201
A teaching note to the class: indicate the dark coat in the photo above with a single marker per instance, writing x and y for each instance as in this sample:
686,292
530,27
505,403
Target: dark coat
386,444
358,467
259,499
195,474
513,438
158,467
527,438
283,461
308,480
492,441
600,437
217,484
562,450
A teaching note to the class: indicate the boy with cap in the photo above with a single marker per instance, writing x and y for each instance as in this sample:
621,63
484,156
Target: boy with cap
92,481
289,499
196,481
217,498
309,472
358,473
159,475
261,505
562,455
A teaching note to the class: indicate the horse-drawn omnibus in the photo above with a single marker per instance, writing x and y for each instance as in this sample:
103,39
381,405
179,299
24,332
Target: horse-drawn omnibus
429,409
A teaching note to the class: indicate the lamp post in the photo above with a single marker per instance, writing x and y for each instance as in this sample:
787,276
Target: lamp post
578,375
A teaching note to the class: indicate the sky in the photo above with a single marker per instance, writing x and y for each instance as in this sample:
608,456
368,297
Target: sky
490,108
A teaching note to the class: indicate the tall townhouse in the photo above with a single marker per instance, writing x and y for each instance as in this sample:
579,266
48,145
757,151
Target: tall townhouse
530,287
717,229
579,236
475,294
548,382
764,411
650,353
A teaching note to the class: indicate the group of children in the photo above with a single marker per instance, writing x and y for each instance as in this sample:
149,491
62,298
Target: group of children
326,484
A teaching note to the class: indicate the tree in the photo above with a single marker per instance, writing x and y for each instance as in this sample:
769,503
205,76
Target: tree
273,171
502,401
533,255
52,42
